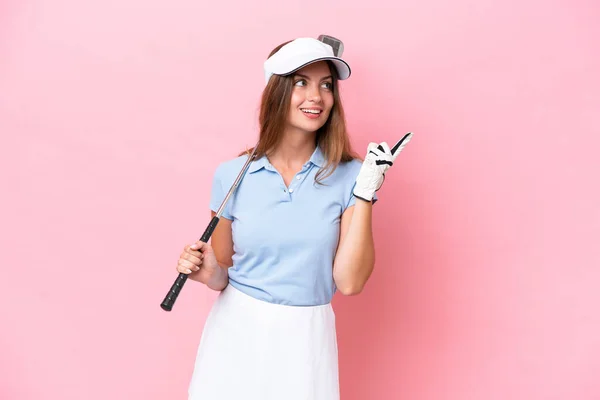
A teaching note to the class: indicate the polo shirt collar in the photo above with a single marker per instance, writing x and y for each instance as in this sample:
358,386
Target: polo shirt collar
317,158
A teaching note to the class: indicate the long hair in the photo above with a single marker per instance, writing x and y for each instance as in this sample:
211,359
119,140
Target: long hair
332,137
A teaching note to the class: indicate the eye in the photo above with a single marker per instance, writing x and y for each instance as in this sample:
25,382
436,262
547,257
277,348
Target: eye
303,81
328,85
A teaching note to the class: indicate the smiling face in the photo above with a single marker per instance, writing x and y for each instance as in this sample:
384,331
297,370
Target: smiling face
312,97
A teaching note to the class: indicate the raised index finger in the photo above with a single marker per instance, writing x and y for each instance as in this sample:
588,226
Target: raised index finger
401,144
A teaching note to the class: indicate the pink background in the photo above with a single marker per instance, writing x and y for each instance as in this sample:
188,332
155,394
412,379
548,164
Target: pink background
114,114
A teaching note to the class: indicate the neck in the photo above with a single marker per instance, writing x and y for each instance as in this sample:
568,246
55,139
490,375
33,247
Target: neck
294,150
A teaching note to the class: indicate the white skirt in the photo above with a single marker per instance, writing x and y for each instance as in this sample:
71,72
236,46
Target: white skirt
254,350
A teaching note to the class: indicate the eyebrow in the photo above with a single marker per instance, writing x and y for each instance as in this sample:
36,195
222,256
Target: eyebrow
304,76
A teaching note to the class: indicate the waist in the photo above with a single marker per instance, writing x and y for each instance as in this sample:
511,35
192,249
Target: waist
258,300
284,285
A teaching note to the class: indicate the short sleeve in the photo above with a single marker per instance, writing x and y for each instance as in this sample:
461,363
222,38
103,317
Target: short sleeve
218,192
352,200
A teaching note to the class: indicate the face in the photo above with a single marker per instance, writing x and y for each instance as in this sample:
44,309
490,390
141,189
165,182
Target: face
312,97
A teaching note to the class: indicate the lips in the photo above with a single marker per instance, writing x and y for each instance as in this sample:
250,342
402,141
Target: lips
311,113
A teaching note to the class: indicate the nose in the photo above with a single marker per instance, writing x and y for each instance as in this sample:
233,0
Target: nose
313,93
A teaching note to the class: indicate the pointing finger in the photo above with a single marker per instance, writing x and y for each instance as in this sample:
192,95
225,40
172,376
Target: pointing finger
401,144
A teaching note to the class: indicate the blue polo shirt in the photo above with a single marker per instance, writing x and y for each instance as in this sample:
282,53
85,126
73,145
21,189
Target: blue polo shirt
284,238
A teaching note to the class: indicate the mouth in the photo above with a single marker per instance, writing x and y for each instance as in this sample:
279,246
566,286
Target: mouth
311,112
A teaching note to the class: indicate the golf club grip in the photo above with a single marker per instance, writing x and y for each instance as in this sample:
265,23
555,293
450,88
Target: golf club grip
171,297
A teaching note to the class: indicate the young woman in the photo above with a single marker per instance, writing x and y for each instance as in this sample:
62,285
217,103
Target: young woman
297,229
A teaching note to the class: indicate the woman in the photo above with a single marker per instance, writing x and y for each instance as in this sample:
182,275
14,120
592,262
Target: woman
297,229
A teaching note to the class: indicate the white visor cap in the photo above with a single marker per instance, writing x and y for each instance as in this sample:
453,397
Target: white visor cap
300,53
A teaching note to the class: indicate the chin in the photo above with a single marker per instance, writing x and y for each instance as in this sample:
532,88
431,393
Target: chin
309,127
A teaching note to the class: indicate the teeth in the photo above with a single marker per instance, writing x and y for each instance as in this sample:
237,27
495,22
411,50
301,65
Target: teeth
312,111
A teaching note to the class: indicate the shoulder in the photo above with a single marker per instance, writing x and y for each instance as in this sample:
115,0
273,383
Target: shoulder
229,169
355,164
350,168
345,174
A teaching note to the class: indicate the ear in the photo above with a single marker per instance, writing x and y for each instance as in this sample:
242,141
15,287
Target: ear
401,143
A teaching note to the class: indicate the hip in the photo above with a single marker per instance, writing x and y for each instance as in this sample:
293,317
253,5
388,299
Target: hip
270,351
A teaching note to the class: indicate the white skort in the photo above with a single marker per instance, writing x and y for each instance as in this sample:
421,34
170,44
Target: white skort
254,350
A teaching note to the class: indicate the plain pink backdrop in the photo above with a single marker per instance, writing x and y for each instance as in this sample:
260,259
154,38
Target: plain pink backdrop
114,115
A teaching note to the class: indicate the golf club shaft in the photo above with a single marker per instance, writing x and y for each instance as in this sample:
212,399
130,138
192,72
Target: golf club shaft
173,293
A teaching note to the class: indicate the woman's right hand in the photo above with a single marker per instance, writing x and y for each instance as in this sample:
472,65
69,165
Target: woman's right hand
199,261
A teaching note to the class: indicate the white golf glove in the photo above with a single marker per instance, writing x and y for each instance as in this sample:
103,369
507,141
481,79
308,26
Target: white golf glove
378,160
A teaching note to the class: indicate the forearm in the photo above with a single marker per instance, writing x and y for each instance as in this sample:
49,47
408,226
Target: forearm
355,259
218,280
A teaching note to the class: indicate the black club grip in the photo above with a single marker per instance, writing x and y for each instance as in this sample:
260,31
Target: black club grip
171,297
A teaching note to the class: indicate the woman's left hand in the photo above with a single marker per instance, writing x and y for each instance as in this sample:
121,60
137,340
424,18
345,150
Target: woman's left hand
378,160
